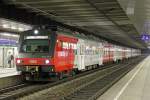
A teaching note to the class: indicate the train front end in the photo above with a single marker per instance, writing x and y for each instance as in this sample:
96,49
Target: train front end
36,51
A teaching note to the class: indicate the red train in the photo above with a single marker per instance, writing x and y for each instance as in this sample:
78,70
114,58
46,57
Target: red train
44,54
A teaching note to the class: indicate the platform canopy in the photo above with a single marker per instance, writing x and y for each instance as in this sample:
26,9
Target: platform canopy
13,26
111,19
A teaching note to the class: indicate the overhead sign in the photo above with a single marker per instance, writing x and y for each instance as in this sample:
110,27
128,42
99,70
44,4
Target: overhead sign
145,37
8,42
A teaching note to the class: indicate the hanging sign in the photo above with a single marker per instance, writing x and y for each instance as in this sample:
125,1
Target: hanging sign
8,42
145,37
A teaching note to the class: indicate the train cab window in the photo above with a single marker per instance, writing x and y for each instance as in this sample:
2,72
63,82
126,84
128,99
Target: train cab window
73,47
35,46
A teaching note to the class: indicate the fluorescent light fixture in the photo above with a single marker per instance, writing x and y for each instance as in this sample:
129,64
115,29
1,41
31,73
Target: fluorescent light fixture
37,37
20,29
13,27
9,34
5,26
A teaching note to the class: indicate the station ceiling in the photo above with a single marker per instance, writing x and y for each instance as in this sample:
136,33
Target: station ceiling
105,18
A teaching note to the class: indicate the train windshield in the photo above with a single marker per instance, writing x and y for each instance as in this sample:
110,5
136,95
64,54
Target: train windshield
35,45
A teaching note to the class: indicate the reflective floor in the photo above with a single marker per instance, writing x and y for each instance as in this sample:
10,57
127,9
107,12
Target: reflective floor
134,86
5,72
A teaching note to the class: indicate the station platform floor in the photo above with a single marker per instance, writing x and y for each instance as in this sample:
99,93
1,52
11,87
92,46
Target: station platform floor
133,86
5,72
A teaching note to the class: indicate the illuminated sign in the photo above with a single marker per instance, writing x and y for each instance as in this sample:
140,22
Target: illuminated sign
37,37
145,37
8,42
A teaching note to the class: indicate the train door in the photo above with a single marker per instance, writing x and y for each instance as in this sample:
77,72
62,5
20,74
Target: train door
123,53
105,55
60,55
110,54
80,55
101,54
72,53
115,54
64,53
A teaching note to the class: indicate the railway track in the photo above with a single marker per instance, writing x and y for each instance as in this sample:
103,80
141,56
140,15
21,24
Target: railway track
25,92
17,91
12,88
69,90
97,88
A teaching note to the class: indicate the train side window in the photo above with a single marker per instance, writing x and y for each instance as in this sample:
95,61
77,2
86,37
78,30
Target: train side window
70,46
104,52
97,51
81,49
75,48
65,45
86,50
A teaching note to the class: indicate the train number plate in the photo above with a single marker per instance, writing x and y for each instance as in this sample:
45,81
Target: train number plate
33,61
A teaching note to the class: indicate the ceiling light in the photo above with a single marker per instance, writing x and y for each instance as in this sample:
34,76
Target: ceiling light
13,27
37,37
20,29
5,26
9,34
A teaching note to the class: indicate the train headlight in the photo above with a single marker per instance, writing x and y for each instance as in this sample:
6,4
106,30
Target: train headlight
18,61
47,61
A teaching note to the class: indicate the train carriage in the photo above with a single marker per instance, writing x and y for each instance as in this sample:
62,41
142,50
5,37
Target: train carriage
44,54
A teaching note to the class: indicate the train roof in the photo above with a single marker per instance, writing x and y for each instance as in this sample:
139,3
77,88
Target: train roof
80,35
64,32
